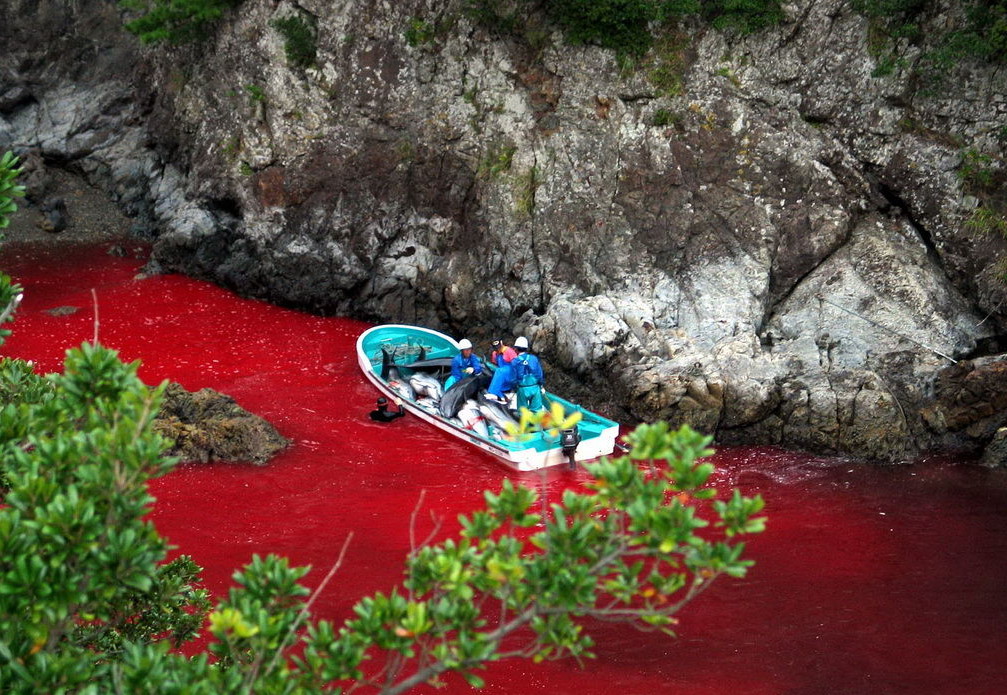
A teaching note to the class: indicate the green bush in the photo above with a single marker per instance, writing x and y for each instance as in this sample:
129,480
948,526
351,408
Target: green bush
175,21
298,40
501,17
664,117
976,171
624,26
419,32
496,161
621,25
981,34
8,189
743,16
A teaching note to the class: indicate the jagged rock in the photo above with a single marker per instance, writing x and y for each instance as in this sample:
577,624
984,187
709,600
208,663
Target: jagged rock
65,310
995,453
209,426
968,405
54,214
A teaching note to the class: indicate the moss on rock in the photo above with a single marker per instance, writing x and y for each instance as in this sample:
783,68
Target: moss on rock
209,426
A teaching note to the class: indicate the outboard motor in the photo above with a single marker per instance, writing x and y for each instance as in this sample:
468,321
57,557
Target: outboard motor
569,439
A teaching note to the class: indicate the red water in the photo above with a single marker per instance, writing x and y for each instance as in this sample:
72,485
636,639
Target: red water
868,579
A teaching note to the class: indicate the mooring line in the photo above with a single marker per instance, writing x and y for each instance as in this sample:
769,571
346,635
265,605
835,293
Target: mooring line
886,328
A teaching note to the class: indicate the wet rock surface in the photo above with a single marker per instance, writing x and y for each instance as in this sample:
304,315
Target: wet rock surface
209,426
776,253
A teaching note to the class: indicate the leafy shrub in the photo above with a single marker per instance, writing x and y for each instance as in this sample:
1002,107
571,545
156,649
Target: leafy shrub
664,117
175,21
298,40
419,32
623,25
980,35
743,16
497,160
256,93
501,17
975,170
8,189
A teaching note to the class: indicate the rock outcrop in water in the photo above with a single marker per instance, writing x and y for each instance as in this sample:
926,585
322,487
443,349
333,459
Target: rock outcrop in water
209,426
775,250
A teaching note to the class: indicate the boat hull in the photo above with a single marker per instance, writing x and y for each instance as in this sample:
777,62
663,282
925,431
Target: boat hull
598,434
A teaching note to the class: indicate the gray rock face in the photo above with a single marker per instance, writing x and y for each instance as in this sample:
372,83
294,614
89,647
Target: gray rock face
784,259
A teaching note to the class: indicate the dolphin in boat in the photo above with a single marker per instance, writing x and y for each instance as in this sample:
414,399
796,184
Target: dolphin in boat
390,373
495,413
472,418
436,364
461,391
426,384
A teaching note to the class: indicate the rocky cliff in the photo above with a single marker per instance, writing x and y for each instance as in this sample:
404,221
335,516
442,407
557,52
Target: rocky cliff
752,234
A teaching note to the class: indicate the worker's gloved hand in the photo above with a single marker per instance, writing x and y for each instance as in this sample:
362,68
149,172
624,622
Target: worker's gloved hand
469,370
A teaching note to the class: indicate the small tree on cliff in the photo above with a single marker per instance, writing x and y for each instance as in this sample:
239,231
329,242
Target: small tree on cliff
87,605
175,21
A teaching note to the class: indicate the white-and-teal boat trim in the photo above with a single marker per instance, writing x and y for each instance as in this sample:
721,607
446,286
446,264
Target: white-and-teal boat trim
528,453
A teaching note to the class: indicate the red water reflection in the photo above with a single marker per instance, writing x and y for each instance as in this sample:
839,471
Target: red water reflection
869,579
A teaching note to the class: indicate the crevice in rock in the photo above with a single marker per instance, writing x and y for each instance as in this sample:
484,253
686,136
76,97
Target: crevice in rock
227,211
633,98
987,347
991,346
15,100
899,203
771,306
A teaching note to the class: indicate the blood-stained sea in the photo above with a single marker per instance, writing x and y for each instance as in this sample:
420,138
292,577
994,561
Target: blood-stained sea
868,579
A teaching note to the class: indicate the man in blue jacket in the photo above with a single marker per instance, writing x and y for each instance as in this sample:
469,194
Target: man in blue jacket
528,377
463,364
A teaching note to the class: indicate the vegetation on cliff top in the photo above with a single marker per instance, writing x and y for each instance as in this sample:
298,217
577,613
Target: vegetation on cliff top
624,26
175,21
977,30
621,25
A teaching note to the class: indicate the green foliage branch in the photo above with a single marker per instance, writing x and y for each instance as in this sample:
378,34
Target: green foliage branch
634,548
175,21
82,573
9,190
299,43
10,294
978,32
624,26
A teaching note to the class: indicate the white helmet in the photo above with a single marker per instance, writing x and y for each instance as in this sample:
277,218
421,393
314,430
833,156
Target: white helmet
521,342
464,344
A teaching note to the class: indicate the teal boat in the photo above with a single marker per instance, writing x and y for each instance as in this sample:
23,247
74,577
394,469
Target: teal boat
411,363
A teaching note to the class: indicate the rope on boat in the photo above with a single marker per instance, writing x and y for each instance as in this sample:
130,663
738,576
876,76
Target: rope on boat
886,328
